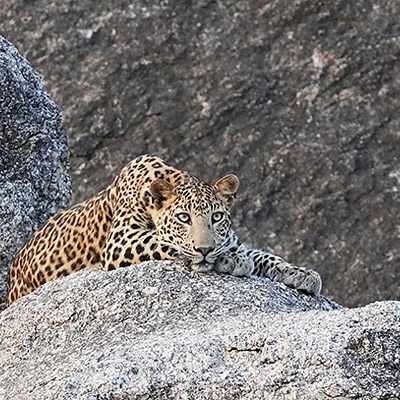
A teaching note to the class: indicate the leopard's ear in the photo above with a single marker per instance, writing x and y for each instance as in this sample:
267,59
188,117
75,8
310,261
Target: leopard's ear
226,188
161,190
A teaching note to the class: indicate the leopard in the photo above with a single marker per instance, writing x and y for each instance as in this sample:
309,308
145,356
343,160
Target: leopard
151,211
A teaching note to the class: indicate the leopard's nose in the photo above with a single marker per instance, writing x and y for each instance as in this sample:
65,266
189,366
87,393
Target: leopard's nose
204,250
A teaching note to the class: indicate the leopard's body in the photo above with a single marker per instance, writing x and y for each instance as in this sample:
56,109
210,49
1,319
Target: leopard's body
151,211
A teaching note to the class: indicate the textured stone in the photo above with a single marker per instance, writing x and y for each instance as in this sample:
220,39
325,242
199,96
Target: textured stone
34,183
298,98
158,331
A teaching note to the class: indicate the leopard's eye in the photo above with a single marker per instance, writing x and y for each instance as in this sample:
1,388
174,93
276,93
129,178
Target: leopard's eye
183,217
216,217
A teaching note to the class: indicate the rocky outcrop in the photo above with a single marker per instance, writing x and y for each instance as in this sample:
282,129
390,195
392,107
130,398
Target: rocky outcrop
34,183
300,99
158,331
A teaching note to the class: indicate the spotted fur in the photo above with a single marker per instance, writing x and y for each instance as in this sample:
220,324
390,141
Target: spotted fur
151,211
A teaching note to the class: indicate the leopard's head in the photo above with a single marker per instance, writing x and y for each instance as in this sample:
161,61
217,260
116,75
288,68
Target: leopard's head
193,218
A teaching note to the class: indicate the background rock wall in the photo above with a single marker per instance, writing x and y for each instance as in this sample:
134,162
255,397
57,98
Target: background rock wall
34,183
300,99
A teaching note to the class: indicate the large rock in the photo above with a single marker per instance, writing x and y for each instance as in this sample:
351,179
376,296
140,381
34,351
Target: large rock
158,331
299,98
34,183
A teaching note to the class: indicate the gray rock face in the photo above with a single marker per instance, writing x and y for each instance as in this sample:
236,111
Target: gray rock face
157,331
34,183
299,99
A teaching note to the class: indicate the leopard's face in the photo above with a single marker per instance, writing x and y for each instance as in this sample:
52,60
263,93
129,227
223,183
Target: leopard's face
194,219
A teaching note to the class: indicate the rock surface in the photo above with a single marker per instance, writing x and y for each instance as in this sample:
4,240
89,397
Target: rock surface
300,99
158,331
34,183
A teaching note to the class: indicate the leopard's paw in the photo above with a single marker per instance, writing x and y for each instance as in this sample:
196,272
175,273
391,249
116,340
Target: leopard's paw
303,279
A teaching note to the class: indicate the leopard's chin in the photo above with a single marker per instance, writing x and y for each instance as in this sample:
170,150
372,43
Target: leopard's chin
202,267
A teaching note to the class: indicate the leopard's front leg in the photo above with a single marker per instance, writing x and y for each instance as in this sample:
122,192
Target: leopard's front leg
277,269
234,263
240,260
